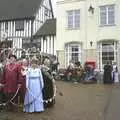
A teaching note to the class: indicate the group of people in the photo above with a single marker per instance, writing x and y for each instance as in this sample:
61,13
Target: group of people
74,72
31,83
110,74
27,82
77,73
88,74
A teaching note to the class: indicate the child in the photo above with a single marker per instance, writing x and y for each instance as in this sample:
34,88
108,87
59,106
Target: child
116,77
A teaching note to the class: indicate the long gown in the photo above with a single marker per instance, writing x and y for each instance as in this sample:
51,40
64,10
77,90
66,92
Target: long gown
116,77
34,98
48,90
107,76
10,79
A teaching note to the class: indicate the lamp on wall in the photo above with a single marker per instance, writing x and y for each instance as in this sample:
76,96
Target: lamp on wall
91,9
91,43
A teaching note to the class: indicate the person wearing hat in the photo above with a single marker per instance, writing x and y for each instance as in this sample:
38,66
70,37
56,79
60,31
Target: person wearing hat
33,101
10,80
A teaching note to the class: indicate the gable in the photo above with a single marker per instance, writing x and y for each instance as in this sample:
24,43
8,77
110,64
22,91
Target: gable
17,9
48,28
46,3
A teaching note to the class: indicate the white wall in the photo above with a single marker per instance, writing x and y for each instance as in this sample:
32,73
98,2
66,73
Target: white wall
90,30
63,34
48,45
89,24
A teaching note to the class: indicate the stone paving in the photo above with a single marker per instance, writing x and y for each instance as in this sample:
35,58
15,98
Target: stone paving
79,102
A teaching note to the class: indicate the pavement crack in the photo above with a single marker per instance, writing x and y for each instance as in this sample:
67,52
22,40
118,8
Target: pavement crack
105,111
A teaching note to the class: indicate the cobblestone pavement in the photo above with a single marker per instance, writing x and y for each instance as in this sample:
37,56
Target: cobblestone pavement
79,102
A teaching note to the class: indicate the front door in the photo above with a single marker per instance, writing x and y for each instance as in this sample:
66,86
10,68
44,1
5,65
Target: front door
107,52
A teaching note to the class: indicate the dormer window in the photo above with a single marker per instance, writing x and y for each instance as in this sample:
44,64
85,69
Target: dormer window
19,25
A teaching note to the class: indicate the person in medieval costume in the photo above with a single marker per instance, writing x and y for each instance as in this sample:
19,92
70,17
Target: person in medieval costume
55,64
11,81
34,84
115,73
88,73
23,70
116,76
79,71
49,85
70,72
107,75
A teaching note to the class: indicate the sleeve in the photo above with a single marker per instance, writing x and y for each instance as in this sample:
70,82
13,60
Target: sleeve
41,79
27,79
3,81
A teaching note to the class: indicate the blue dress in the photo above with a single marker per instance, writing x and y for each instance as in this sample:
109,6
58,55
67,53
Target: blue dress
34,84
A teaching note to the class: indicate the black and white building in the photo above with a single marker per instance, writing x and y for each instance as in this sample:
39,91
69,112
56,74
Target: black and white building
21,19
45,37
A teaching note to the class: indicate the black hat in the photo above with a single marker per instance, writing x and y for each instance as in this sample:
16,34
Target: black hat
11,55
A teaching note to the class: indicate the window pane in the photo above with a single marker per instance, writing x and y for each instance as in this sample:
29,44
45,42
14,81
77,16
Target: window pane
111,15
103,15
107,15
19,25
72,52
77,19
107,52
6,26
75,57
73,18
75,51
70,19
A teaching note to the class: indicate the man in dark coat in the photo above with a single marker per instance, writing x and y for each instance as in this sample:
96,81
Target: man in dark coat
107,76
48,90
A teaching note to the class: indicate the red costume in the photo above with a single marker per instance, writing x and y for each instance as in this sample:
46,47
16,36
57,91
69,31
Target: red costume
11,78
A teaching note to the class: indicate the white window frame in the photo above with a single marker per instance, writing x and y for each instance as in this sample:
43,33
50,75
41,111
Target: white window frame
107,18
100,50
75,16
68,52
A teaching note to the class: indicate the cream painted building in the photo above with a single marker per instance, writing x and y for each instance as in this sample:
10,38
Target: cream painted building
88,30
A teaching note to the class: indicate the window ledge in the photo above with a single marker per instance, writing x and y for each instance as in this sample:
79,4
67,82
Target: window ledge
107,25
72,28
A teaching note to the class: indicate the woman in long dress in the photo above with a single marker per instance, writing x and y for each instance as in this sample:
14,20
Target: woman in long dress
49,85
34,84
116,76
